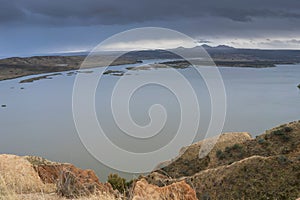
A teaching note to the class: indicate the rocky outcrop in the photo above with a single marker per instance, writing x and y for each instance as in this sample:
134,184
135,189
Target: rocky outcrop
32,174
72,181
176,191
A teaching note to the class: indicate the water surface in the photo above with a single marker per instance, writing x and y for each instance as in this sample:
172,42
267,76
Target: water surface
37,119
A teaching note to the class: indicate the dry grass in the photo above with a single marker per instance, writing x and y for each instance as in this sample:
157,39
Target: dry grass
18,176
40,196
13,189
5,191
255,177
13,192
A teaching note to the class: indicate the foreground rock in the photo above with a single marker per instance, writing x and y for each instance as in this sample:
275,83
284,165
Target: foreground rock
177,191
70,181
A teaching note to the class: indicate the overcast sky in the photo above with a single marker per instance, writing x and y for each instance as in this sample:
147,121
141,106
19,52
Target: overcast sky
30,27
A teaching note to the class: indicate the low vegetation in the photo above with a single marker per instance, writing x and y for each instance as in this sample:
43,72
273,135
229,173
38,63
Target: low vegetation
13,192
117,182
120,184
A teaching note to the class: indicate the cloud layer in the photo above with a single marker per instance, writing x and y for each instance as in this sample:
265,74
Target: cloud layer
59,25
107,12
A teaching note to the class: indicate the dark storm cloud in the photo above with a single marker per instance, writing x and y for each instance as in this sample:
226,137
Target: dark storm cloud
109,12
281,43
10,12
30,27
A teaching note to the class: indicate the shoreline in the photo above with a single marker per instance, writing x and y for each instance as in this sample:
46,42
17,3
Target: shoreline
46,72
231,63
16,67
12,68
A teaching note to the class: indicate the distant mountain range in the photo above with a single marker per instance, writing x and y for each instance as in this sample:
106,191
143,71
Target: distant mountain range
217,52
222,55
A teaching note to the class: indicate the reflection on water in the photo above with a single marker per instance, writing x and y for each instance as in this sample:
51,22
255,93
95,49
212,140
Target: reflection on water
37,117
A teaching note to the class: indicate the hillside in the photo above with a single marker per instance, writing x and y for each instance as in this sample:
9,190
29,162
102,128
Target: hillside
240,167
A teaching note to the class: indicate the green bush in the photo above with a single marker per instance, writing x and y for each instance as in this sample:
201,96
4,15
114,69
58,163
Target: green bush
282,132
220,155
227,149
282,159
278,132
117,182
287,129
236,147
205,197
261,141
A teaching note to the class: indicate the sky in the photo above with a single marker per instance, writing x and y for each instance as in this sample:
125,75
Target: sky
32,27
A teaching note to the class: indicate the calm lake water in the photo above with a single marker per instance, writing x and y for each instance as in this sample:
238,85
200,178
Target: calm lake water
38,120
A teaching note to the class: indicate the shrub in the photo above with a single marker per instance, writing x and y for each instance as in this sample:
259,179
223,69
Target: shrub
129,184
236,147
282,133
287,129
278,132
285,137
227,149
205,197
220,155
117,182
282,159
241,154
261,141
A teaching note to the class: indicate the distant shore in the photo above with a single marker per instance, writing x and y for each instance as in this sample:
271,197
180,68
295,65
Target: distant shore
15,67
232,63
222,56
